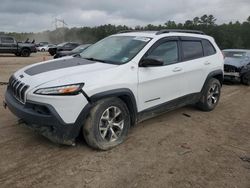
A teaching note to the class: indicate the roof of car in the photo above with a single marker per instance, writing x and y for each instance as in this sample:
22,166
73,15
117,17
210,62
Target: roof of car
163,33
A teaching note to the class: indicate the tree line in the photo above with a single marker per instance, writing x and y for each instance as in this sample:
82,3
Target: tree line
230,35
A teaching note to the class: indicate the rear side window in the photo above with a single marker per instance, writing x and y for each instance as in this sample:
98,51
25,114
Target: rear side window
208,48
7,40
192,50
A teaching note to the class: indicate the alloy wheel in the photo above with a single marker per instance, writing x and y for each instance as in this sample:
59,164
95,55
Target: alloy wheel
213,95
111,124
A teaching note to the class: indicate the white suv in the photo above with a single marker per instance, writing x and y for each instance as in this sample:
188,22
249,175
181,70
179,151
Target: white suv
116,83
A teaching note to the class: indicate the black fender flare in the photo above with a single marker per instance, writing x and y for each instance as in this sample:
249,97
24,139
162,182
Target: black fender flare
218,74
126,95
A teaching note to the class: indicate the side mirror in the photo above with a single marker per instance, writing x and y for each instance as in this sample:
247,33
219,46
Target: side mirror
148,62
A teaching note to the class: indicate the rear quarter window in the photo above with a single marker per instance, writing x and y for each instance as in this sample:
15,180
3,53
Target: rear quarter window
192,50
208,48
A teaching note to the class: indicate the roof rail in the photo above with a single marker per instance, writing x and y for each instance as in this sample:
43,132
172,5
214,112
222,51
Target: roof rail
127,31
179,31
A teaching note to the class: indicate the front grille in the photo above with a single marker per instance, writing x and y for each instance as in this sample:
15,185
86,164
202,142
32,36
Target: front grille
18,89
230,68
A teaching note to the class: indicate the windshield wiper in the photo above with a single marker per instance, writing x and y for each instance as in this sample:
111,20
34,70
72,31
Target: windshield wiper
100,60
94,59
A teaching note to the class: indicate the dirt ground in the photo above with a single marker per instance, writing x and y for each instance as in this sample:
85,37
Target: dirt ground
183,148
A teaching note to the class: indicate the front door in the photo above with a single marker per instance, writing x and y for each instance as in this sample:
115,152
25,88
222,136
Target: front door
158,85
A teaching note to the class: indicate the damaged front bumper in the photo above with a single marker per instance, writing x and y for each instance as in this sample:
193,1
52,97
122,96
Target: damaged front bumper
233,76
44,119
234,73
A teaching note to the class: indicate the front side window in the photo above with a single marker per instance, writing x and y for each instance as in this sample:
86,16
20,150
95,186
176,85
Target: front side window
166,52
115,49
8,40
192,50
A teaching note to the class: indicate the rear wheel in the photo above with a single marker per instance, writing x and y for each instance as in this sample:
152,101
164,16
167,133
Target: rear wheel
43,50
210,95
246,79
25,52
107,124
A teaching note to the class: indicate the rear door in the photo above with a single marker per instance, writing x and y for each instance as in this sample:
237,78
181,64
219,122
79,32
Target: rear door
161,84
195,64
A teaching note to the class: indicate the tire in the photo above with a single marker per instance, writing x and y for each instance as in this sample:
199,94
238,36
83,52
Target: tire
42,50
52,52
25,52
245,79
210,95
103,129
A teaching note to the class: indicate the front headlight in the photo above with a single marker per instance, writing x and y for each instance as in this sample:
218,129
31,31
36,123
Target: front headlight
72,89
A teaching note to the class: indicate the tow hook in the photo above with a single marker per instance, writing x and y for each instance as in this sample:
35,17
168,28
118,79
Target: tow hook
4,105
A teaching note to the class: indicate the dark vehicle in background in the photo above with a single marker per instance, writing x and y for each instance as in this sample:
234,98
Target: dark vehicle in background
66,46
237,65
10,45
75,51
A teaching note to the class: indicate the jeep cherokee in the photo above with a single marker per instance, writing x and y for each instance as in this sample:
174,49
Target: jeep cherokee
115,83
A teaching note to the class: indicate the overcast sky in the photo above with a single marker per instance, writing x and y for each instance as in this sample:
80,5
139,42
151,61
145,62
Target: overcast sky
38,15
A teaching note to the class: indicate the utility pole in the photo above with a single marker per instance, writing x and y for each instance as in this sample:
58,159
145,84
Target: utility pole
57,22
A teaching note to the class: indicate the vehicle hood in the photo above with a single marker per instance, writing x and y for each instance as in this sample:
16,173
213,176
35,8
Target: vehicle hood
65,69
235,62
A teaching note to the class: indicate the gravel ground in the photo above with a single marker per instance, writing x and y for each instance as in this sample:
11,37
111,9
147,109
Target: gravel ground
182,148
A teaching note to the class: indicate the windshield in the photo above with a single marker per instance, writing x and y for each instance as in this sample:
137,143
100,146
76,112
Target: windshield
80,48
234,54
115,49
62,44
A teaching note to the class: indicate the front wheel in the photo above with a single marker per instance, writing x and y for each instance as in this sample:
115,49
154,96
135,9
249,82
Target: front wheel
210,95
25,53
246,79
107,124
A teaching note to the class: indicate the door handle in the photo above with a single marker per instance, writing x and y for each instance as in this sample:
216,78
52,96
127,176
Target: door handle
207,63
177,69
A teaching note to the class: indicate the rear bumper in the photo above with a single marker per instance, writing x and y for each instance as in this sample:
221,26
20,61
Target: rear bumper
44,119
